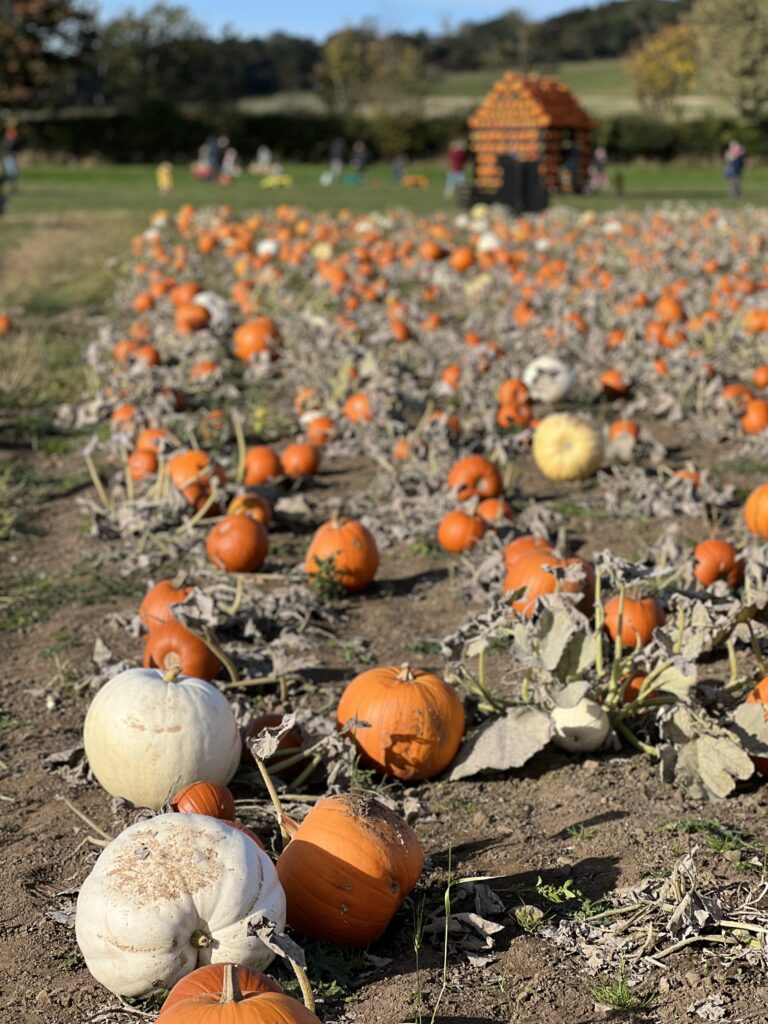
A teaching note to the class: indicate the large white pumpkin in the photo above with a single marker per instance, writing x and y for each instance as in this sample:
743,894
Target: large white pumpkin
567,448
146,736
171,894
548,379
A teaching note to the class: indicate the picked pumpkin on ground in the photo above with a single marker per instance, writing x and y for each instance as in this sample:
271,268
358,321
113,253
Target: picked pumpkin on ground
147,734
566,448
415,721
348,868
228,993
170,894
348,550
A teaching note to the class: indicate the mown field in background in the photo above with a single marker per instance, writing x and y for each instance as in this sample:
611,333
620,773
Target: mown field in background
603,86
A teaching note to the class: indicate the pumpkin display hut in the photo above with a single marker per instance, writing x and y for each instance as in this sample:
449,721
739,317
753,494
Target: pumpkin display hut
530,120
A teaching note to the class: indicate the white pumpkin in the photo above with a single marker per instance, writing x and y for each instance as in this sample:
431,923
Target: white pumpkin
171,894
548,379
567,448
147,734
582,728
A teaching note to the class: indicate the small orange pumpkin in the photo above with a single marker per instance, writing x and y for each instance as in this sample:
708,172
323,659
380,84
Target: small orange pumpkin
756,511
458,531
415,721
209,798
352,548
534,574
300,460
227,994
641,616
155,608
261,465
253,505
524,545
717,560
238,543
475,476
172,646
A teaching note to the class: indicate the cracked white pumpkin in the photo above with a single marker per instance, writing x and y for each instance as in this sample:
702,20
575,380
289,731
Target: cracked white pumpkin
171,894
148,734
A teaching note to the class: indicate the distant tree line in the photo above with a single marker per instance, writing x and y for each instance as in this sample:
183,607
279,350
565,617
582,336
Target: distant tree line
58,53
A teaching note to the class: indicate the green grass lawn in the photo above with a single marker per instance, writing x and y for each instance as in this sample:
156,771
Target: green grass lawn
129,191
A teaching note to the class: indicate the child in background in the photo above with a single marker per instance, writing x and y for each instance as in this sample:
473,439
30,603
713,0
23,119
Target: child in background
164,177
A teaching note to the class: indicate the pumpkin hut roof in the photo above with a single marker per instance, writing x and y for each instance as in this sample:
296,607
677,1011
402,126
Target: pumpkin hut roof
530,100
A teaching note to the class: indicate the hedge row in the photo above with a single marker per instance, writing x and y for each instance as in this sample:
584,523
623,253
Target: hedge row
158,131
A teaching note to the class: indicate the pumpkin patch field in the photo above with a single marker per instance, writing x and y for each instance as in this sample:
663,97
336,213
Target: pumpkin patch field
400,652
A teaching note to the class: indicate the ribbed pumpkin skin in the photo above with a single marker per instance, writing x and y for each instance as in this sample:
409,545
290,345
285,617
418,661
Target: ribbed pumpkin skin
352,548
257,1008
530,571
203,797
756,511
717,560
209,980
349,867
416,721
566,448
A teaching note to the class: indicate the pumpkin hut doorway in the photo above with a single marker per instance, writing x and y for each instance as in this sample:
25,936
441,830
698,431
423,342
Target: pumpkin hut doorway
534,122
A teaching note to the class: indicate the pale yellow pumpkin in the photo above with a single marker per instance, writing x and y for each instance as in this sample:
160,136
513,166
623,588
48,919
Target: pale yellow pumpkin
567,448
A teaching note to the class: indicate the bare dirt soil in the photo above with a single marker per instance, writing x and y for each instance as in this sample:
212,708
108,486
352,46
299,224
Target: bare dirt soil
598,823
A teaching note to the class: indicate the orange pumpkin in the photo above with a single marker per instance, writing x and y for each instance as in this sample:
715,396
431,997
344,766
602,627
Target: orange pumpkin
155,608
227,994
347,869
209,798
299,460
495,510
238,543
351,549
357,408
641,616
172,646
534,573
475,476
261,465
458,531
253,505
190,317
717,560
614,385
755,418
415,721
141,464
192,473
760,376
619,427
524,545
320,431
756,511
254,337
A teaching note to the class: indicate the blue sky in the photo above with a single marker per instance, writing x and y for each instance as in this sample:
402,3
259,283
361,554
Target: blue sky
317,18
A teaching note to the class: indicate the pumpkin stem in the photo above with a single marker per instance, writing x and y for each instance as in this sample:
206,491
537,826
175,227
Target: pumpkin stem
172,673
405,675
304,985
200,939
230,990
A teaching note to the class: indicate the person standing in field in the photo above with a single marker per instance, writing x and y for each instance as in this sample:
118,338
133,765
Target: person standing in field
336,153
735,156
9,148
456,175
